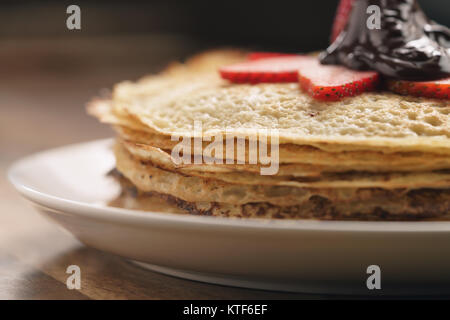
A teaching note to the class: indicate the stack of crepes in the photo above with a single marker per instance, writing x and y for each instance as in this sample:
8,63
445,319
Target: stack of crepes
376,156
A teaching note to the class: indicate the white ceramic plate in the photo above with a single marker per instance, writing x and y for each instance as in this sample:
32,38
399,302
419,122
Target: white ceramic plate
70,186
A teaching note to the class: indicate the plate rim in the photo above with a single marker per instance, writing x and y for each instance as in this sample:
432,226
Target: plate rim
121,215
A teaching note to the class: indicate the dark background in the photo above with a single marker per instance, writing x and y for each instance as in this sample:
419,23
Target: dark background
278,25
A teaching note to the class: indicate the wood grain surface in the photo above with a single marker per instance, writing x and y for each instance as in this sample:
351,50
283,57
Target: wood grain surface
43,89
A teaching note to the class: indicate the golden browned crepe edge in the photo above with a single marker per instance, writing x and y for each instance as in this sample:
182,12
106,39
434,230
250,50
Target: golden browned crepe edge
423,206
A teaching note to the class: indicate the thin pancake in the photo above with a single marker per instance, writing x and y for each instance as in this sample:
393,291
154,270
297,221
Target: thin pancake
147,178
170,103
413,205
158,158
290,153
308,155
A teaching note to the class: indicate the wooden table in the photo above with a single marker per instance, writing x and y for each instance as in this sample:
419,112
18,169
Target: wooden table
43,89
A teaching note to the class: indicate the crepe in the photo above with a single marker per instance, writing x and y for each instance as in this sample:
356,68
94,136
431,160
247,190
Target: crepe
158,158
375,156
361,160
169,104
395,205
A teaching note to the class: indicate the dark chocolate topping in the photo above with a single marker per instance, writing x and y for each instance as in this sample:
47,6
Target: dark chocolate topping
408,45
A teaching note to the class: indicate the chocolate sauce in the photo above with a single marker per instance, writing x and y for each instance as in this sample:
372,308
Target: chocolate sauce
408,45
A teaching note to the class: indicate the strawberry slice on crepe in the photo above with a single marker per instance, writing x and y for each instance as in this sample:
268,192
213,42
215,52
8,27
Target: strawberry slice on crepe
439,89
332,82
322,82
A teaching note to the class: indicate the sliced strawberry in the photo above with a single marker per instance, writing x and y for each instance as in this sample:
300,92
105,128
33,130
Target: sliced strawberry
263,55
439,89
332,82
279,69
342,14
